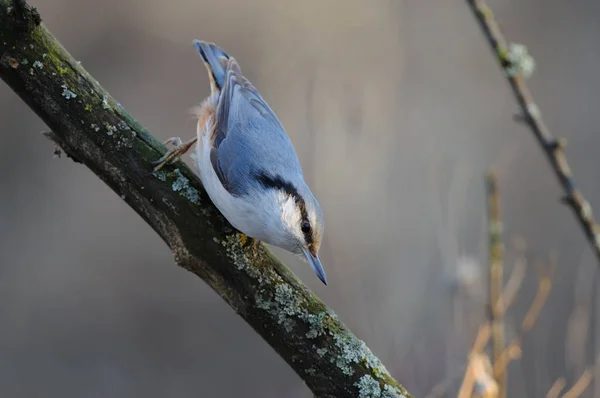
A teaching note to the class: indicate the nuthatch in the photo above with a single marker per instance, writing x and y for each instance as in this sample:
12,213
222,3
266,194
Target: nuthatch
248,165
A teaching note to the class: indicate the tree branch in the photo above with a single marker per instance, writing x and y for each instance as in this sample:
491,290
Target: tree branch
496,285
553,148
91,127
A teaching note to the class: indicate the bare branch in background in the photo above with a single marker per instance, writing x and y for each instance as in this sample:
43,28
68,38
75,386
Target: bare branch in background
556,388
496,268
478,373
580,385
507,298
90,126
512,286
468,383
516,65
583,382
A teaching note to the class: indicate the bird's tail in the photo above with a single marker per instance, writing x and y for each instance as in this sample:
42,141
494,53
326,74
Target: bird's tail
215,60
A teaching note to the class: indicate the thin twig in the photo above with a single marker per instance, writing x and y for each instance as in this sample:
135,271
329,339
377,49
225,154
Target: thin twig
584,380
538,302
556,388
512,286
483,336
496,265
485,384
553,148
484,333
506,299
513,350
580,385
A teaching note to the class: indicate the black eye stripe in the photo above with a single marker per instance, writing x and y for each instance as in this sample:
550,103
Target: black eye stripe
277,182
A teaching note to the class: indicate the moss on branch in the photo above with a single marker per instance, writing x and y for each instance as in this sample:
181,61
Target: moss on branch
93,128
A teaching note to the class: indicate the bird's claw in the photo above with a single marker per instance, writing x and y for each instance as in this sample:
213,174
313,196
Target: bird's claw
173,154
175,141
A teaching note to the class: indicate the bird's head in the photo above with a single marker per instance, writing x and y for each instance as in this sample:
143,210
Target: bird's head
295,219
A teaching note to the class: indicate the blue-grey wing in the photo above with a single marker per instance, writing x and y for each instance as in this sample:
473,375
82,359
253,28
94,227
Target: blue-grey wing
248,140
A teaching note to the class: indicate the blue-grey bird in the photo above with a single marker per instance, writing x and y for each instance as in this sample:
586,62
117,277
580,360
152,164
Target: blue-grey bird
248,165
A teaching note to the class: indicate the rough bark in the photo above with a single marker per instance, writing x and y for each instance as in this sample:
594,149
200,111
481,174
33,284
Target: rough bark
92,128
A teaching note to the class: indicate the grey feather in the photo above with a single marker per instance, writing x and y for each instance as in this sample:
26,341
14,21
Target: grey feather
248,137
214,56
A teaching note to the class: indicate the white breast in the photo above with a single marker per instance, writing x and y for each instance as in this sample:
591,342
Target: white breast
255,217
237,211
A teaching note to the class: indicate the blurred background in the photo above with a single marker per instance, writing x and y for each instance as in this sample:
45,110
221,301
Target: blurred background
396,108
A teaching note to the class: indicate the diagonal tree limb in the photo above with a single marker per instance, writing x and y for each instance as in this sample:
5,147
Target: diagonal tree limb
553,148
92,128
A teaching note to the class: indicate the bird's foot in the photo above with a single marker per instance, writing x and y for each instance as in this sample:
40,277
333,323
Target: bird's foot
175,153
248,242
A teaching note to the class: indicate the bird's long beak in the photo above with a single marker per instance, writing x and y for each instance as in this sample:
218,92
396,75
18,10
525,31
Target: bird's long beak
315,263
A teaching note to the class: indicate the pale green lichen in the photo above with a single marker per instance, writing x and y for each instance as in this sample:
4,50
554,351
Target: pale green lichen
353,350
105,104
182,185
322,352
68,94
95,127
233,248
391,392
123,126
24,61
256,274
519,61
288,301
241,259
368,387
38,64
110,129
316,324
284,307
373,362
350,352
287,306
331,313
274,310
262,304
161,175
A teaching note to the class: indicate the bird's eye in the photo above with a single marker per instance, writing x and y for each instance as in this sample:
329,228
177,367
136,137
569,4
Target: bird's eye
305,227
